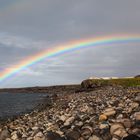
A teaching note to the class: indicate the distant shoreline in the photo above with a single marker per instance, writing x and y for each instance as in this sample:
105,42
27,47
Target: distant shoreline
48,89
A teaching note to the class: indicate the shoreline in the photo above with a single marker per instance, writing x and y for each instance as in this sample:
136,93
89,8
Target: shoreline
48,89
99,113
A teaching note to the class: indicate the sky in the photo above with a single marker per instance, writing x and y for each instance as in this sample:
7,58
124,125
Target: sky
30,26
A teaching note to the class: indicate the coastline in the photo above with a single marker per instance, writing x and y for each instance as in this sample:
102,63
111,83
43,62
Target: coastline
49,90
79,116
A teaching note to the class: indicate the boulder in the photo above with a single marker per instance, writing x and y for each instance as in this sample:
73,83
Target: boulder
137,76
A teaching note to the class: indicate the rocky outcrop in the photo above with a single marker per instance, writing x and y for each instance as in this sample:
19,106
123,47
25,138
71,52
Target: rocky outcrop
138,76
93,83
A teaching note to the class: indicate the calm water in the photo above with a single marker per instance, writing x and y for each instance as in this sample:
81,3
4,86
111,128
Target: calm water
12,104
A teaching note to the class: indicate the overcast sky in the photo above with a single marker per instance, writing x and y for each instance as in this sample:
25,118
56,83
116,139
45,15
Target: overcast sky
30,26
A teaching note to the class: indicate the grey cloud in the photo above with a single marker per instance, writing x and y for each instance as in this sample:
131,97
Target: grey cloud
28,27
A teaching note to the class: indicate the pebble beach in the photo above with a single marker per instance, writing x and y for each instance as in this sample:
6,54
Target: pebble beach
106,113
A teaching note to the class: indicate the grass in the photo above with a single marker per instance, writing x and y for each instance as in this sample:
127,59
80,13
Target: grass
126,82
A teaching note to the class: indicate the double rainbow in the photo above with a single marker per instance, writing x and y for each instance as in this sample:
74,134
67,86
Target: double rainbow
70,46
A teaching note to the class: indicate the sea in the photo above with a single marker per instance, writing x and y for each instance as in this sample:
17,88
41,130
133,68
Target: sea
14,104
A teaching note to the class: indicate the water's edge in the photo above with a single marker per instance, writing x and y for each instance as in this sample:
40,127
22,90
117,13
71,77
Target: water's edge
13,105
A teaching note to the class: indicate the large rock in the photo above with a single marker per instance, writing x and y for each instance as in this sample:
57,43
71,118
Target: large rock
118,130
137,76
92,83
87,84
4,134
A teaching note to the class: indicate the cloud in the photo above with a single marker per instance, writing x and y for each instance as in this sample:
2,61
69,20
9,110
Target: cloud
30,72
21,42
28,27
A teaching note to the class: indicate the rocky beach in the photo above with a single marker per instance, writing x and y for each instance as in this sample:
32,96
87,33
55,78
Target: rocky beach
105,113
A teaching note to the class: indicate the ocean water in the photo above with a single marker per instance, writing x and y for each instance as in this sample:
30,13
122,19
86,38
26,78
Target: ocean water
13,104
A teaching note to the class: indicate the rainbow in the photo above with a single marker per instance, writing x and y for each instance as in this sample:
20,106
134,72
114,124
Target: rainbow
70,46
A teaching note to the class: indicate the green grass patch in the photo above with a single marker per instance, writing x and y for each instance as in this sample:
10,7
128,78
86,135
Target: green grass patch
126,82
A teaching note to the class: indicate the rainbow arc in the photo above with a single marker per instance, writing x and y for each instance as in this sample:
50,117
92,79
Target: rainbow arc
68,47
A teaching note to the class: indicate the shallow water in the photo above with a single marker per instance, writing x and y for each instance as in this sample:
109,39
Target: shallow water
12,104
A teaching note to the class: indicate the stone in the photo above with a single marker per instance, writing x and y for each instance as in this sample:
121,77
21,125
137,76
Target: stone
38,138
69,121
24,136
59,123
134,105
39,134
102,117
14,137
63,118
117,129
4,134
109,112
127,123
35,128
94,137
30,138
137,116
60,133
86,132
53,136
119,117
104,125
121,105
80,123
115,126
137,99
131,137
136,131
81,138
73,135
